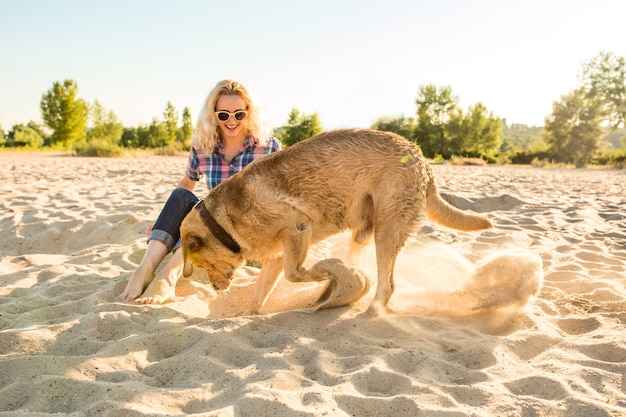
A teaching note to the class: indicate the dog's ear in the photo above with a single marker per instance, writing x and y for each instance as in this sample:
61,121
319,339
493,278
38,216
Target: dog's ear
190,244
187,266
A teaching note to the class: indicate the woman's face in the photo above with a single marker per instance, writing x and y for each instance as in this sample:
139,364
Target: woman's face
231,128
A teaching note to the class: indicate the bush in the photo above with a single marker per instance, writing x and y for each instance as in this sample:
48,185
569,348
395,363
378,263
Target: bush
613,157
503,159
23,136
458,160
171,150
99,147
438,159
526,157
547,163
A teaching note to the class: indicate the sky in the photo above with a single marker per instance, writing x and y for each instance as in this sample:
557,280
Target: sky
350,61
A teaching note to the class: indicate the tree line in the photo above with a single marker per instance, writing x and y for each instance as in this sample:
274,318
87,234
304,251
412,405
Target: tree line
572,133
66,118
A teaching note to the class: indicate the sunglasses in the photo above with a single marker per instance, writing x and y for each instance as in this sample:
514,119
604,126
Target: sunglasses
224,115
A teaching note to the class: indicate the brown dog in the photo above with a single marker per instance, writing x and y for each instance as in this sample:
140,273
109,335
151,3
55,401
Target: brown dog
373,183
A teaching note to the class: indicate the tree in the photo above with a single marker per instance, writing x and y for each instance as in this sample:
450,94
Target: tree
40,129
170,123
454,132
436,108
64,113
158,134
573,131
23,136
299,127
403,126
186,130
604,80
481,132
519,137
138,137
443,129
105,125
616,138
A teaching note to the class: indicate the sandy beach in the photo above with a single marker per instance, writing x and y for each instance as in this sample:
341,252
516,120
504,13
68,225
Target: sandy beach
527,319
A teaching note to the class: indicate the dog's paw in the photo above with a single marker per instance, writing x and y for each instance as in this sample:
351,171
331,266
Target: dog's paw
347,285
219,284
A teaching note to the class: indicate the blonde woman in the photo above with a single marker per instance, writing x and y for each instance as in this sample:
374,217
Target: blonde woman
228,136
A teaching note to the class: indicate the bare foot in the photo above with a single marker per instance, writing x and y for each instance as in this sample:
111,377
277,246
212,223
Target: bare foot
159,291
135,285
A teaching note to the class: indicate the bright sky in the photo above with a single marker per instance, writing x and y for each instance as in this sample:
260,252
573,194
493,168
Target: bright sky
351,61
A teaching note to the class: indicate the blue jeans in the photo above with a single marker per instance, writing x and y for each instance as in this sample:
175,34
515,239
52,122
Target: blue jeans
167,227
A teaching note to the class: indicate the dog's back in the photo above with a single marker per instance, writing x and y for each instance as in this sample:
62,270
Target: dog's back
333,175
349,156
343,178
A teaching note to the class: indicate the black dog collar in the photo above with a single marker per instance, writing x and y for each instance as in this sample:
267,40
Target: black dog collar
218,231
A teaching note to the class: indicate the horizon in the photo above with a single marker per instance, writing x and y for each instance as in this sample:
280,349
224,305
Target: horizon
354,64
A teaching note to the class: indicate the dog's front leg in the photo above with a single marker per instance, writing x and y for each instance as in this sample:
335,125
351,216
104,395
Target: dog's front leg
296,244
270,271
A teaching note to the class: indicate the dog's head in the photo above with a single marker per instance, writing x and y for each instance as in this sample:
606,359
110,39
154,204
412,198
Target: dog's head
202,249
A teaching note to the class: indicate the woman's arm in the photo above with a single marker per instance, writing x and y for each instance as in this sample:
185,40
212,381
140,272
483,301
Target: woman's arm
187,183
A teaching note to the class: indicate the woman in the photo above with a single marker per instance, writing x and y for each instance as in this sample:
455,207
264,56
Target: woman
229,135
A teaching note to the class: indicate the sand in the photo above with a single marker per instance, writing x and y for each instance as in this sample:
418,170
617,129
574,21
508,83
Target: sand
526,319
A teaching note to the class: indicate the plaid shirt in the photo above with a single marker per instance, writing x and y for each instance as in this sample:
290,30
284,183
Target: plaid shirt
217,169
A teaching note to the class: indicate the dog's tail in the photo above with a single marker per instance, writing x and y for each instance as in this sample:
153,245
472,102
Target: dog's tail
440,211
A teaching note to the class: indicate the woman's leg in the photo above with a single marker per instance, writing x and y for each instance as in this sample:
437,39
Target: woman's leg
155,252
163,237
162,288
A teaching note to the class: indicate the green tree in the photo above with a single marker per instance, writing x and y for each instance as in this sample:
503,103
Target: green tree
186,129
105,125
454,132
573,131
299,127
135,137
40,129
614,138
519,137
436,108
64,113
604,79
129,138
24,136
481,132
170,123
158,134
403,126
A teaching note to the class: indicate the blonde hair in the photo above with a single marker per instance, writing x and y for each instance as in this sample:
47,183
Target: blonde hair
207,131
